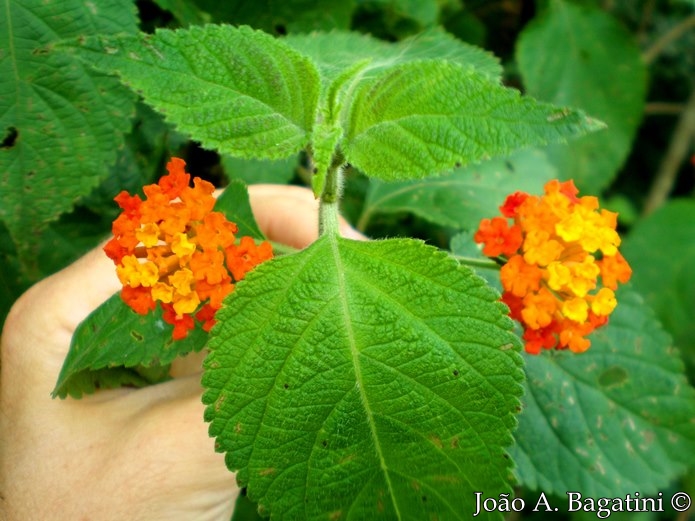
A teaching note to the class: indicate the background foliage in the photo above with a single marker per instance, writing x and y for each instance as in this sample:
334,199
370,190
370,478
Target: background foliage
71,138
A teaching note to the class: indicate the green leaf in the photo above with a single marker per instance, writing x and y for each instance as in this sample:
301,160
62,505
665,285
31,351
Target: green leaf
617,419
147,149
337,51
424,118
381,373
60,125
234,203
463,198
245,509
661,250
12,284
424,12
115,346
185,11
464,249
581,56
234,89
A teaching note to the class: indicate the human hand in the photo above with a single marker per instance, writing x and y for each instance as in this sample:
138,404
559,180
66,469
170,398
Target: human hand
122,454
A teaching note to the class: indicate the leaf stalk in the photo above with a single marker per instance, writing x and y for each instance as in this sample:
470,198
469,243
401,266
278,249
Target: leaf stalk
478,263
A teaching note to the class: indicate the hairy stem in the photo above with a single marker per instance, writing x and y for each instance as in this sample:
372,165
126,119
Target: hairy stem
330,198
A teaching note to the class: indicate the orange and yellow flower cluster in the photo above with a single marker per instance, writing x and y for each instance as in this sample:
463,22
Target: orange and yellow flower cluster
173,249
554,250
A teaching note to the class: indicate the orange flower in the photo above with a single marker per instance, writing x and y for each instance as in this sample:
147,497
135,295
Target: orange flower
173,249
499,238
556,249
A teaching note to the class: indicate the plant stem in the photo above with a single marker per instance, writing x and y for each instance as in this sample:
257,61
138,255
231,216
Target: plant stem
663,108
330,198
282,249
676,153
363,221
477,263
665,39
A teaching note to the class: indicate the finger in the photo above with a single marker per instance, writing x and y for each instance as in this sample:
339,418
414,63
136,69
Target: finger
289,214
39,327
166,426
286,214
157,432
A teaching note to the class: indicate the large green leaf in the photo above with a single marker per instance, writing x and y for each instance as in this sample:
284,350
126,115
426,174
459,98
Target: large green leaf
424,118
115,346
60,125
235,89
463,198
581,56
382,375
661,250
617,419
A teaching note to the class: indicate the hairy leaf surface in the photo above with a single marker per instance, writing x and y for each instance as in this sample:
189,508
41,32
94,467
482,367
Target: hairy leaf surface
594,65
234,89
383,374
424,118
617,419
60,124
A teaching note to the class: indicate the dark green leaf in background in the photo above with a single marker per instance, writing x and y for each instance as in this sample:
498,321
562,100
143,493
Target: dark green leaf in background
186,12
617,419
463,198
272,16
234,203
239,91
12,282
114,346
581,56
61,125
661,250
423,11
395,19
148,147
364,380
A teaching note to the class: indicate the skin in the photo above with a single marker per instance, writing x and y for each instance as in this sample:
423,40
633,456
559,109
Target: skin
124,454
